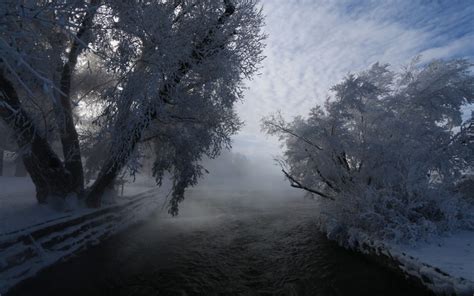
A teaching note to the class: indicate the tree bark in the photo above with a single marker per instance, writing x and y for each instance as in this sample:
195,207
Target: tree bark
115,162
68,132
45,167
112,168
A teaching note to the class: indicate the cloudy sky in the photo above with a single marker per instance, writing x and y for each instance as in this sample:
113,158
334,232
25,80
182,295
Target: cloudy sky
312,44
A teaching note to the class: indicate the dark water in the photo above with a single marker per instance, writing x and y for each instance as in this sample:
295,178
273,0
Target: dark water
234,246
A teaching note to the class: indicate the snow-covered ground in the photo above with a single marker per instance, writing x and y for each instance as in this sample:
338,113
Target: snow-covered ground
34,236
446,266
18,205
19,208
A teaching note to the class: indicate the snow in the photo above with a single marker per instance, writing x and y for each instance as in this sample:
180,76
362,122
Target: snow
25,248
454,255
18,205
448,263
19,208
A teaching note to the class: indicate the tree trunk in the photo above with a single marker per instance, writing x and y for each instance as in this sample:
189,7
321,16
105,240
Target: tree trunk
69,136
1,162
114,164
45,167
20,169
67,131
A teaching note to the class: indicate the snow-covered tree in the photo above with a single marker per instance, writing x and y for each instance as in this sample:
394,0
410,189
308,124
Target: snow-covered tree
165,70
385,152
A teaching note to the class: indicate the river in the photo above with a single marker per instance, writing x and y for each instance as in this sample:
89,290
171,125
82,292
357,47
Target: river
232,244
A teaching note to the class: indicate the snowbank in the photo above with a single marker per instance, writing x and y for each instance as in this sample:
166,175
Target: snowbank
19,208
18,205
33,237
445,267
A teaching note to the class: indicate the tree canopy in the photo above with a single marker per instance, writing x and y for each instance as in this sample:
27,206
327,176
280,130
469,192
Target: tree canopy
115,74
386,152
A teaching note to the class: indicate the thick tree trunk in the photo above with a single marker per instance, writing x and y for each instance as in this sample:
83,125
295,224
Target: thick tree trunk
1,161
69,136
114,164
68,133
45,167
20,169
132,135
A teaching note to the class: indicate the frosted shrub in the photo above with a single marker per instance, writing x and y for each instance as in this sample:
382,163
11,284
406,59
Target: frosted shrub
385,152
388,217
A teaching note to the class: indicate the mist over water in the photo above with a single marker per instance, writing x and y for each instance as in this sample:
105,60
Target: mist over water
235,171
235,179
238,190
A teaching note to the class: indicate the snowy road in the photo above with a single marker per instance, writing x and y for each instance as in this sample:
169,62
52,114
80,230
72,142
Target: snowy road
235,245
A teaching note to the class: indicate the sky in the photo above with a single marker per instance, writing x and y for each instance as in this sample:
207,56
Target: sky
313,44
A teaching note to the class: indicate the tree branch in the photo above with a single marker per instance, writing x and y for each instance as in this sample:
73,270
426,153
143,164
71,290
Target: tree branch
296,184
288,131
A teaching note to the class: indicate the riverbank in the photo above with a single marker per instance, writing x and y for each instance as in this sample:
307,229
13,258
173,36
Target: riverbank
33,236
19,208
446,266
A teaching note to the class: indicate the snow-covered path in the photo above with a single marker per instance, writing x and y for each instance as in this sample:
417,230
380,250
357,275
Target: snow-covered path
235,245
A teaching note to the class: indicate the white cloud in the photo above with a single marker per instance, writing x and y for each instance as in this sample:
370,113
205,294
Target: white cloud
314,44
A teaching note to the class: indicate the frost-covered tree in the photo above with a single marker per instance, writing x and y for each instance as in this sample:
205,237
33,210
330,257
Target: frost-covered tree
112,73
386,151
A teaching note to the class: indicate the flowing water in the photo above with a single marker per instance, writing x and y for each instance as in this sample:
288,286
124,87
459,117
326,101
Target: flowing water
236,244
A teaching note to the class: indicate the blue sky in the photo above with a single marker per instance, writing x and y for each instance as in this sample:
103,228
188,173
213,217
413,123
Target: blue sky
312,44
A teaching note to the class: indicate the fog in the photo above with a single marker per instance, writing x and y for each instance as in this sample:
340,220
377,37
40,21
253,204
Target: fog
237,185
236,171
